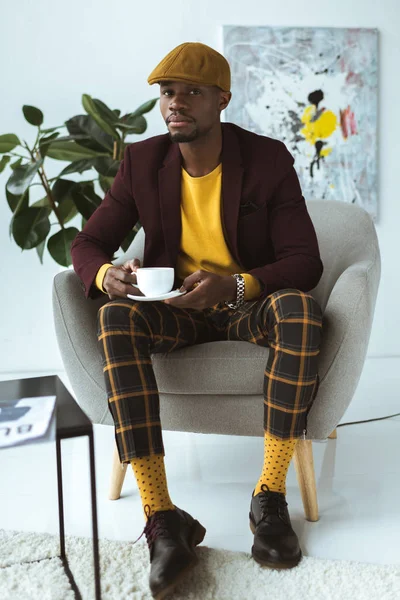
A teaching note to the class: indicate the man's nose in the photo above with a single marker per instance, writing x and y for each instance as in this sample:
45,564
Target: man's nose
178,102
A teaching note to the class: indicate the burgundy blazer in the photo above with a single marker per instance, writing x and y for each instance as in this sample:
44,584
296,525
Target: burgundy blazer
264,216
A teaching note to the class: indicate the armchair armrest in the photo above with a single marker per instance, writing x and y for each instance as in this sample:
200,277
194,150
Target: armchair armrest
346,330
75,319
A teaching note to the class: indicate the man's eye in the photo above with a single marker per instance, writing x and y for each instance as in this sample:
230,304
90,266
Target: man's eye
166,92
196,92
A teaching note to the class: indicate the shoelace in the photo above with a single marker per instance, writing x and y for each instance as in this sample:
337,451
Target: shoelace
271,503
154,527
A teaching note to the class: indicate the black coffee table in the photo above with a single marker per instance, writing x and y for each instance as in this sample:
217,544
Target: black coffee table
69,421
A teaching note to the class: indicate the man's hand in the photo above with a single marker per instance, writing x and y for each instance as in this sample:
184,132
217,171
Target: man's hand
118,280
209,290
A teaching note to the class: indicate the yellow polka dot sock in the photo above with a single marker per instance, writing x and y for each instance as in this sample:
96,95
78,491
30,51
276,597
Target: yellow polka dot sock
152,482
277,457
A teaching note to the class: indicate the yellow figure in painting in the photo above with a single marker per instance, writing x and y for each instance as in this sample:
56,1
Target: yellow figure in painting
318,127
319,124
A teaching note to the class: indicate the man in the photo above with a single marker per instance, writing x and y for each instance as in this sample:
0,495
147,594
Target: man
223,206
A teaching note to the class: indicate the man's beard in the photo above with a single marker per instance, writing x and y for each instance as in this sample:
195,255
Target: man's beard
181,138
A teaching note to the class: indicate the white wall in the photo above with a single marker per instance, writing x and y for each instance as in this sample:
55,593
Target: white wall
51,53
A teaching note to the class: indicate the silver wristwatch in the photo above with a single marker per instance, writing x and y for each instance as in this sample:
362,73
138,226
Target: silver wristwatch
240,283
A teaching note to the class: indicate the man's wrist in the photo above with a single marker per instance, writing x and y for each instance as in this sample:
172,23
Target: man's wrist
101,275
230,289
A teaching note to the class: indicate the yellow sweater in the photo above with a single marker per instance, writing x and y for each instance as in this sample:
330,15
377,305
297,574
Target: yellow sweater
202,244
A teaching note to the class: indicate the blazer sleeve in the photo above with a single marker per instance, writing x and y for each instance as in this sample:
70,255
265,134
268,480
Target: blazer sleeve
105,230
298,263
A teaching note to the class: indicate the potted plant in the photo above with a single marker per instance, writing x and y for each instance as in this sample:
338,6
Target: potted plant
95,143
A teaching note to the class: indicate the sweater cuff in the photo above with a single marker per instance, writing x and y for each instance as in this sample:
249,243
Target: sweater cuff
100,276
252,287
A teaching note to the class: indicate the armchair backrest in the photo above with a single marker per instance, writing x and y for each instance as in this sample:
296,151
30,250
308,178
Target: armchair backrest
346,236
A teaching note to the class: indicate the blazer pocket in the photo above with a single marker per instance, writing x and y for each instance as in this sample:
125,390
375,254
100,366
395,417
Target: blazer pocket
249,209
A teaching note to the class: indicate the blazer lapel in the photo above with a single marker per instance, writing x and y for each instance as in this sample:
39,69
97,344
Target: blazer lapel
169,190
232,179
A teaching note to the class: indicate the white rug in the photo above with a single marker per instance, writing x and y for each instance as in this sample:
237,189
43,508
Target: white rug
220,574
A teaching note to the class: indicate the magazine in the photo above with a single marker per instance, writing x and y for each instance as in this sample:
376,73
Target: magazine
26,419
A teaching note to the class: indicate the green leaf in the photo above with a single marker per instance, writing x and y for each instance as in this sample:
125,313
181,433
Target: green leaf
117,112
96,138
16,202
16,163
3,162
67,210
47,138
59,245
145,108
78,166
73,138
91,108
8,141
31,226
135,122
33,115
61,189
40,249
61,192
105,113
107,166
105,182
69,151
85,199
134,125
51,129
42,202
44,143
21,178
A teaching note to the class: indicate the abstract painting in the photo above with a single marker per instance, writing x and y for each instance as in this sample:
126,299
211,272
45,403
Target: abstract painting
315,89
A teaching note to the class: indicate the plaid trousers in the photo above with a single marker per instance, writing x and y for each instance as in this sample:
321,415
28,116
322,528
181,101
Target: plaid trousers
288,321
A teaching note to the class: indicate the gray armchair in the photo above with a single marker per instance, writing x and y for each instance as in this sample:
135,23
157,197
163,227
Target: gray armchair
202,391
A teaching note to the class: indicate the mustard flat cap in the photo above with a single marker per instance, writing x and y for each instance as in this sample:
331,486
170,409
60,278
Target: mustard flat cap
196,63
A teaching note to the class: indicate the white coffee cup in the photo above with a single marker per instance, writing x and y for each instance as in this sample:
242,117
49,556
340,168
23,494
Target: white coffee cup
155,281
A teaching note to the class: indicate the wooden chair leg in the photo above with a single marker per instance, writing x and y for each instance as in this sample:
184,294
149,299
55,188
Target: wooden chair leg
117,476
333,435
304,465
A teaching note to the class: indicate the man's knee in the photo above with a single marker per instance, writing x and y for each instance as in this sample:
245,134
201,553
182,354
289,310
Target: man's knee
293,302
115,311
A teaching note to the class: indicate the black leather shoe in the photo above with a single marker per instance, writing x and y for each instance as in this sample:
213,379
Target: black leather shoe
275,543
171,537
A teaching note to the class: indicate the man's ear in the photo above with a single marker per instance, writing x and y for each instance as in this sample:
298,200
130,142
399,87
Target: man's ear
225,98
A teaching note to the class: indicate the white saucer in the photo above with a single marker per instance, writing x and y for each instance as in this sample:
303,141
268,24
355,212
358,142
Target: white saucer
172,294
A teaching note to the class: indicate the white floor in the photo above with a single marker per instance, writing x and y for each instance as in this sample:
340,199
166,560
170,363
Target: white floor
212,477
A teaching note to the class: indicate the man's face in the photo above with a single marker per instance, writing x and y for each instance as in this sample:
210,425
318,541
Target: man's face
191,110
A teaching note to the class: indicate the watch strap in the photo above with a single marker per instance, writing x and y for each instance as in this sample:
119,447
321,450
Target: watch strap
240,287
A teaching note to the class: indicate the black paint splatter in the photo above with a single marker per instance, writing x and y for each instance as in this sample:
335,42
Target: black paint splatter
319,144
316,97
